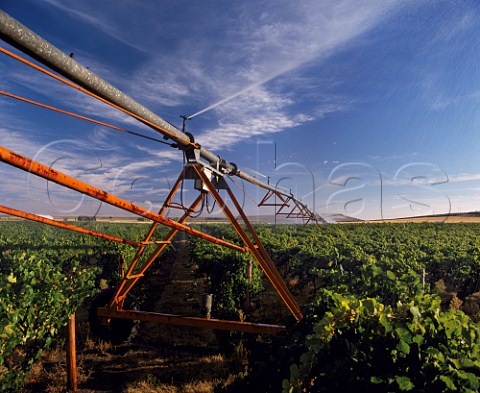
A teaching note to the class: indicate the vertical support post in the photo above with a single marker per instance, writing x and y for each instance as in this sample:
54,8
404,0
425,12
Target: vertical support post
71,355
256,249
206,301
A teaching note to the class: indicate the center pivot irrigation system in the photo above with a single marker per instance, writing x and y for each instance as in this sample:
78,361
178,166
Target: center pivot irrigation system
207,170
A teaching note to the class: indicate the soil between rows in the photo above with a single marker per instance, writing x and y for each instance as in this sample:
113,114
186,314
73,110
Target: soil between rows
158,358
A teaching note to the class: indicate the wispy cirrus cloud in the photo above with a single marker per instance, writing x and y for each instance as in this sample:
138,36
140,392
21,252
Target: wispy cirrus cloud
245,72
32,84
103,24
464,177
439,75
245,120
245,75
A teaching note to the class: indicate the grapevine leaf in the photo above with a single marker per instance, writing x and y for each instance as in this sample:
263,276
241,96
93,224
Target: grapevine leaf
404,383
403,347
11,278
448,382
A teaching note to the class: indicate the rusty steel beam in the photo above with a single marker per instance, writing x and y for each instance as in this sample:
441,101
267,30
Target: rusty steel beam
275,278
64,112
44,220
270,194
130,279
171,319
15,159
154,225
256,249
30,43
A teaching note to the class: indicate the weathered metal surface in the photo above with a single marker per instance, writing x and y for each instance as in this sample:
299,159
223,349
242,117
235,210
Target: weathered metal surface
22,38
274,276
76,115
283,200
131,279
171,319
27,164
63,225
72,380
255,247
28,42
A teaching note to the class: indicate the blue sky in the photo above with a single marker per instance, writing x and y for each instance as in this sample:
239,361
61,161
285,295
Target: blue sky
363,108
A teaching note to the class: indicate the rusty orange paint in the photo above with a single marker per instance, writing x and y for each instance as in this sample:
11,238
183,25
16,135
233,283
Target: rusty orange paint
284,200
274,276
255,247
77,87
130,280
44,220
27,164
171,319
250,239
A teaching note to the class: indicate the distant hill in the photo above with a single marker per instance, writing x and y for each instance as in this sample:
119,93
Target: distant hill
472,217
341,218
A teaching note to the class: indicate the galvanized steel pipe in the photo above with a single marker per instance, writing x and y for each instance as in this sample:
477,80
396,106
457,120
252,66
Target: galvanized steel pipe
22,38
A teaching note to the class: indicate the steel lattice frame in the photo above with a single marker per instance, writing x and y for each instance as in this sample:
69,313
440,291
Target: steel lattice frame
209,174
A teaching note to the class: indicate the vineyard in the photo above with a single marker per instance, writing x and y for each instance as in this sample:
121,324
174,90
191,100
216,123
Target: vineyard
388,307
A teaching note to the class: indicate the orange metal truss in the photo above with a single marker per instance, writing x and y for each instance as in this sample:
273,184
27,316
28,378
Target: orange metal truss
289,207
208,180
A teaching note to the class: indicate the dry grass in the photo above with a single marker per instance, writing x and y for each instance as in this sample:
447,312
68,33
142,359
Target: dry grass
199,387
148,386
185,374
192,387
163,359
151,385
57,377
101,346
50,372
133,369
203,374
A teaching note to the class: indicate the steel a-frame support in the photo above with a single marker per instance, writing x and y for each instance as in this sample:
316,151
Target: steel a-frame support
207,176
248,236
290,207
252,243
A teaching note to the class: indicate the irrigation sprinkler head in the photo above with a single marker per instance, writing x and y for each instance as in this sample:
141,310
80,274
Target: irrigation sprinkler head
184,125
